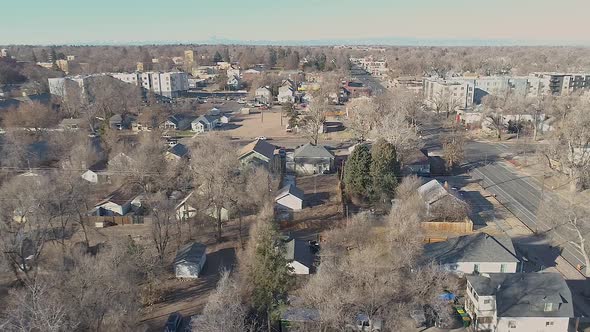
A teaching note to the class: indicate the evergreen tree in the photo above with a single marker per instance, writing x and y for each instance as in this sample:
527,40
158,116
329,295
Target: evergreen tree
384,170
53,55
34,57
217,57
357,179
270,275
225,55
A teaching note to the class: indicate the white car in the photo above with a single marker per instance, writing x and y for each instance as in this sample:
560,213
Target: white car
262,138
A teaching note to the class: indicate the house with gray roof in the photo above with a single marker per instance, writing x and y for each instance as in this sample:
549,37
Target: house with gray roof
442,204
513,302
474,253
190,260
298,253
312,159
177,152
204,123
289,198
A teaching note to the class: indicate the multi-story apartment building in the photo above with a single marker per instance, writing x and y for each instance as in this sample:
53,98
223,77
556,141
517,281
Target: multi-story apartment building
456,93
374,67
169,84
562,84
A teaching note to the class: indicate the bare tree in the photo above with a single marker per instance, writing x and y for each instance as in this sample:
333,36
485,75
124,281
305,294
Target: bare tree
314,118
396,129
363,116
34,115
216,176
225,310
454,146
163,220
571,223
569,148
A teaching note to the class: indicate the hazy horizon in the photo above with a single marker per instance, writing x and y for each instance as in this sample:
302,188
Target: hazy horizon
379,22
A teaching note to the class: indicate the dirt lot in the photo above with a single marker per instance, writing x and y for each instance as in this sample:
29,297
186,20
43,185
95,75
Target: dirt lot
322,206
258,123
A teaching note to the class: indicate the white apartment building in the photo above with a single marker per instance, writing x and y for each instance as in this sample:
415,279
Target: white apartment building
168,84
459,94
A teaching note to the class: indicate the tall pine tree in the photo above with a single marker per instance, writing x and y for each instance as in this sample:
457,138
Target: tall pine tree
357,179
384,170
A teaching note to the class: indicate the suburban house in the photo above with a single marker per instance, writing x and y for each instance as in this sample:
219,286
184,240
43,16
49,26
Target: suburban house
298,253
122,206
97,173
116,122
512,302
225,118
286,94
258,153
416,162
204,123
439,201
190,260
183,208
72,124
177,152
312,159
120,161
233,82
474,253
263,95
290,198
176,122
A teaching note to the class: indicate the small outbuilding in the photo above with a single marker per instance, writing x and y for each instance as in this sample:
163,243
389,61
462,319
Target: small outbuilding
298,253
190,260
290,198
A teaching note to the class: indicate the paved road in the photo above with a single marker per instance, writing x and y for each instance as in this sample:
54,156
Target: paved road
520,194
360,75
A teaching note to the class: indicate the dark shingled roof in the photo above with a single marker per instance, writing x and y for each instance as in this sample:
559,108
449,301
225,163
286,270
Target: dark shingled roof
525,294
299,251
190,253
480,247
260,146
179,150
301,315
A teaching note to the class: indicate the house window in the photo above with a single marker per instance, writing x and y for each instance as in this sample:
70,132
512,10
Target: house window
502,268
548,307
548,323
487,301
511,324
484,320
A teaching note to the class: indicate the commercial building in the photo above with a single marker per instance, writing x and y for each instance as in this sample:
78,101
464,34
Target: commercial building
562,84
456,93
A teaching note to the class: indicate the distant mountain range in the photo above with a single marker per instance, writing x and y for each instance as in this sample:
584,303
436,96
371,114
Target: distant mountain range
386,41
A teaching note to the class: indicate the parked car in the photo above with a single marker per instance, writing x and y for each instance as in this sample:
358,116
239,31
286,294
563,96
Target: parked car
262,138
173,323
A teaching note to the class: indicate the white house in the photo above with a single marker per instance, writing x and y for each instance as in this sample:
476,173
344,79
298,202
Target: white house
183,208
190,260
299,255
312,159
204,123
474,253
263,95
514,302
290,198
97,173
118,203
286,94
233,83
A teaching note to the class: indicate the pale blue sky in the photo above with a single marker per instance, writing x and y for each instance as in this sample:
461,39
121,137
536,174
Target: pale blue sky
120,21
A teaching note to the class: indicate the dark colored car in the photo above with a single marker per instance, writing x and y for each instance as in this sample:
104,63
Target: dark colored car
173,322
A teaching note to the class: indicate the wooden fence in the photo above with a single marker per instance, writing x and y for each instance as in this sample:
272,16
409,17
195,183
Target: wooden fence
433,227
118,220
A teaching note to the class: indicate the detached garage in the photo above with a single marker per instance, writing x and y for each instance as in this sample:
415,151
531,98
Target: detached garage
290,198
190,260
